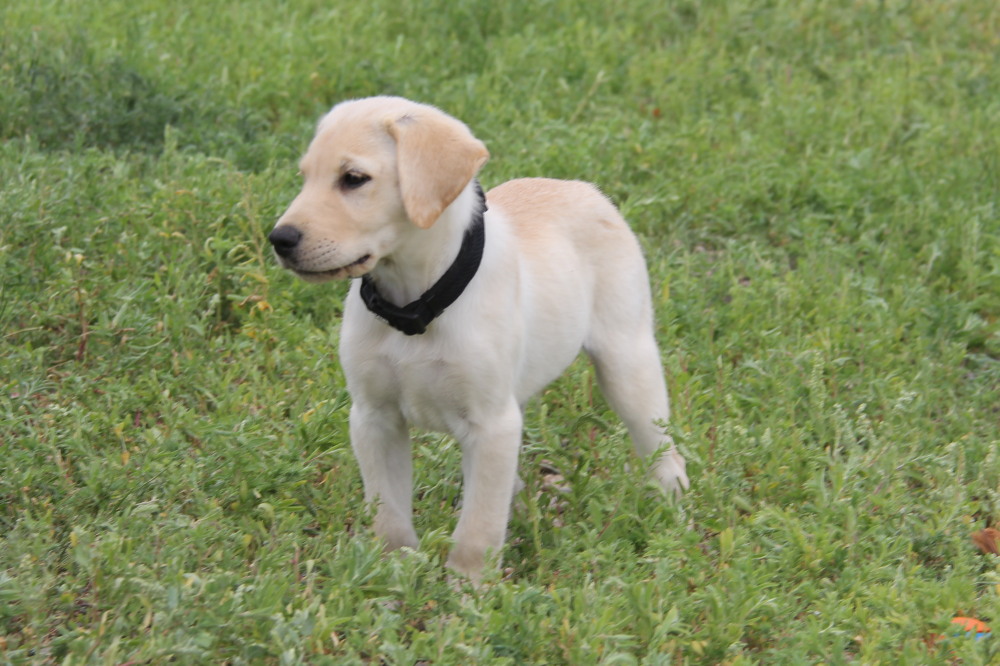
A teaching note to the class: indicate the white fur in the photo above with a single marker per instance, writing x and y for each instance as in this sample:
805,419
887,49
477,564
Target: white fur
560,272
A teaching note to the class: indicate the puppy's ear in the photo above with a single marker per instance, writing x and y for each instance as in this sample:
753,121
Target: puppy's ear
436,158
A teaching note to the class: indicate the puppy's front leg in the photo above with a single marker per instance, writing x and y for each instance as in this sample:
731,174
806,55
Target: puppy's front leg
489,468
381,443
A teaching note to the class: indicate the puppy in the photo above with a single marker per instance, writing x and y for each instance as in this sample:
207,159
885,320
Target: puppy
466,307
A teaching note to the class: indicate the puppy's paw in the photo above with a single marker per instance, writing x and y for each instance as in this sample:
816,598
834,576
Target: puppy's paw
670,472
395,533
466,571
475,562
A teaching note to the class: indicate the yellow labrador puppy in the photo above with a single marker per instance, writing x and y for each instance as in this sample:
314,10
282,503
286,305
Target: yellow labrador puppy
467,306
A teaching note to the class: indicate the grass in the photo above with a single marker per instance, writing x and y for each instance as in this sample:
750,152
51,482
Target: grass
816,186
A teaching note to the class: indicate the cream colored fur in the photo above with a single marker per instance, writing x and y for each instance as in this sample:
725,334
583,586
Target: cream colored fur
561,272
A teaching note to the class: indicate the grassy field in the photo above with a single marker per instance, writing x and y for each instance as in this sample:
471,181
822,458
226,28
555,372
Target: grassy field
816,185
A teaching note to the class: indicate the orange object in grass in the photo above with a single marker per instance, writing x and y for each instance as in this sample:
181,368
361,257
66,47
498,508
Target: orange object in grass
972,625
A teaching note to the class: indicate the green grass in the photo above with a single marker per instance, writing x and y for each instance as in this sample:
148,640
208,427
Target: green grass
817,186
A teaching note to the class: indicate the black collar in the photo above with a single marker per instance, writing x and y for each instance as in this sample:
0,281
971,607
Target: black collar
412,319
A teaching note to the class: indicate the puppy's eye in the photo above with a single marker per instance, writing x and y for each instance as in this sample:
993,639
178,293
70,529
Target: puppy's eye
352,180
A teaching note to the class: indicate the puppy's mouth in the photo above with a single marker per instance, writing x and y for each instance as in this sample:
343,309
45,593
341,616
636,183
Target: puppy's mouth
354,269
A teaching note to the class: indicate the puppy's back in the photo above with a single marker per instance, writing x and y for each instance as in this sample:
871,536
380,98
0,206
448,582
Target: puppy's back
544,212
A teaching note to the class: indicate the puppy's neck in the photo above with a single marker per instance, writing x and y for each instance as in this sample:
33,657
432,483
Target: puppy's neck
423,255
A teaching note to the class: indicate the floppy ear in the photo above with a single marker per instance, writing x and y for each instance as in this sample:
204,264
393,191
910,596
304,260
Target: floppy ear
436,157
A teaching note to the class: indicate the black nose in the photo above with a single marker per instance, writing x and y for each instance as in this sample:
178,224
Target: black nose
285,239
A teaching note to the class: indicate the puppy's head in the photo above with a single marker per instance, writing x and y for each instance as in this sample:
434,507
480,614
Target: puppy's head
375,167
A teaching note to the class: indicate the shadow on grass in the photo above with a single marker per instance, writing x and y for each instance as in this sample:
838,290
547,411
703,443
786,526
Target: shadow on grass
65,98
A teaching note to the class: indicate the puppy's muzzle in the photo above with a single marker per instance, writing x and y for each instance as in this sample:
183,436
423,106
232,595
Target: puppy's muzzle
285,239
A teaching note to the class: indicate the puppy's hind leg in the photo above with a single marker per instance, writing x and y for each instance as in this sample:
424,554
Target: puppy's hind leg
630,375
